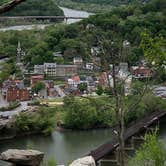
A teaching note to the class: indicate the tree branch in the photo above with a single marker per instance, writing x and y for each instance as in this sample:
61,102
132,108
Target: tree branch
10,5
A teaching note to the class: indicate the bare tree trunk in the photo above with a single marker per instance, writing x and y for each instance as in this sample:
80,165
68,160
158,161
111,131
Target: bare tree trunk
122,143
10,5
120,118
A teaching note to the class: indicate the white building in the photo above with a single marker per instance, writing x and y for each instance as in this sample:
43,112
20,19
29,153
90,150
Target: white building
78,61
50,69
38,69
89,66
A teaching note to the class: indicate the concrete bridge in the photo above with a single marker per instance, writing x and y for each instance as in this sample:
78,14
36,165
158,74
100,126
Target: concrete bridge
108,153
50,18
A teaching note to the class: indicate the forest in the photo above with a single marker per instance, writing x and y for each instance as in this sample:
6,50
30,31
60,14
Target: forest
111,2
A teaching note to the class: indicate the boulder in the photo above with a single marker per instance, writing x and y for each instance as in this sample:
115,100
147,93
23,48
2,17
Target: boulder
22,157
86,161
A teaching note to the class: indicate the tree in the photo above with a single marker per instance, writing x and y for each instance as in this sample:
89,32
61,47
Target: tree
151,152
155,54
82,87
38,86
154,49
99,90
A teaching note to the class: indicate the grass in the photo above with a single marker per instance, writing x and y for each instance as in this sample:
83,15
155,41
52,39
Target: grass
53,102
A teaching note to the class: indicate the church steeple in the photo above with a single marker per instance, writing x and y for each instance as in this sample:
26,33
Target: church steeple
19,52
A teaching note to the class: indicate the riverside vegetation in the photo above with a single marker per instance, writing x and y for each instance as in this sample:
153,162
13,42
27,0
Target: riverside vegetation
85,113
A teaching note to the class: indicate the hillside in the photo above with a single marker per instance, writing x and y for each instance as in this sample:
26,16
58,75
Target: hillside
97,6
110,2
37,7
121,23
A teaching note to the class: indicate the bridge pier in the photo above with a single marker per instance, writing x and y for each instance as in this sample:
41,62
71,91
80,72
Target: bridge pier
65,20
114,157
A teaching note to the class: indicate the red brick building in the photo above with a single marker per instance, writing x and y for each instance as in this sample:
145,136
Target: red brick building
140,72
15,93
13,90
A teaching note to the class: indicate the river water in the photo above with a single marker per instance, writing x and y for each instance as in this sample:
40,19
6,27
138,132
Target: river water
67,12
66,146
61,146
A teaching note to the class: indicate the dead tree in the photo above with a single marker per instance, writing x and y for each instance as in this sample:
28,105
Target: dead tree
10,5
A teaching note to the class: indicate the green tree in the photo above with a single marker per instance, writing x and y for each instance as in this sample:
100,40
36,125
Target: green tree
99,90
154,49
38,86
151,152
82,87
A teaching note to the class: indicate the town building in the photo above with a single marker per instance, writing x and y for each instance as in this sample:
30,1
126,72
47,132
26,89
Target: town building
140,72
96,62
105,80
89,66
35,79
54,70
38,69
74,81
14,90
66,70
57,54
95,51
50,69
78,61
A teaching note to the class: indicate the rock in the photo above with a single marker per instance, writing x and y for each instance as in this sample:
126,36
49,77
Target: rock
22,157
86,161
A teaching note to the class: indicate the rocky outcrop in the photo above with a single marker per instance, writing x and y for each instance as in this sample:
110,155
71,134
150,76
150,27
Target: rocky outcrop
22,157
4,123
86,161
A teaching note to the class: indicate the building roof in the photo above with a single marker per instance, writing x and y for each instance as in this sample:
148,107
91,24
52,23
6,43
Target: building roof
37,77
76,78
65,66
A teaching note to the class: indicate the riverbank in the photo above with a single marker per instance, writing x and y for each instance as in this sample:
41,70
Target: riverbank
27,26
66,146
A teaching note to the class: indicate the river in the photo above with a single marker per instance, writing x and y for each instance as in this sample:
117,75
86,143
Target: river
62,146
66,146
67,12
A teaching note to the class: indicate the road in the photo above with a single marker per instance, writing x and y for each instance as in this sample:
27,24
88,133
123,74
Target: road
15,111
3,102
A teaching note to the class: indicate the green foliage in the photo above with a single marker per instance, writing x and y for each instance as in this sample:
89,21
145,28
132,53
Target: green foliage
38,86
85,113
50,162
99,90
82,87
148,104
154,49
137,87
3,2
42,121
151,152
